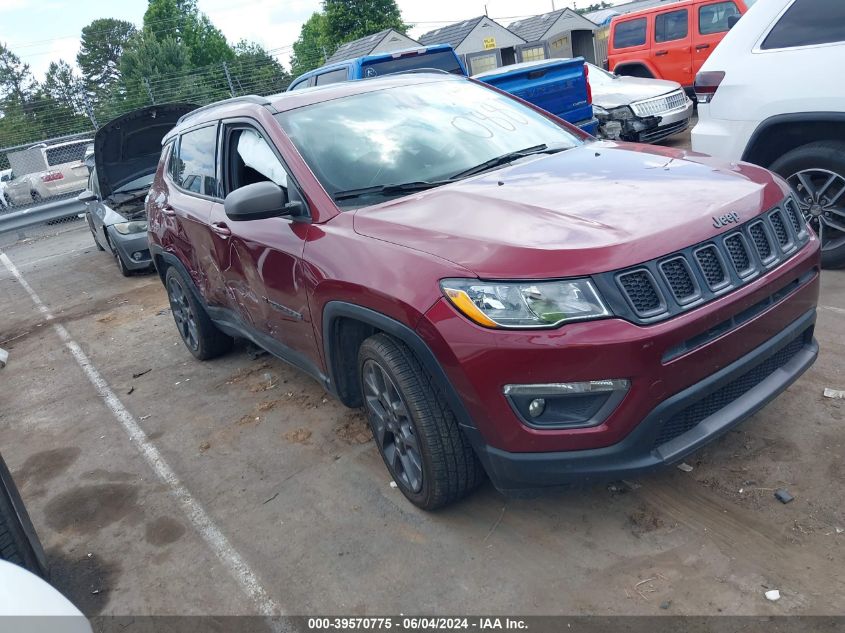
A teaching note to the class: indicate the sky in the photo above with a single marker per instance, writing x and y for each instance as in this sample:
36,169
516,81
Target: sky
41,31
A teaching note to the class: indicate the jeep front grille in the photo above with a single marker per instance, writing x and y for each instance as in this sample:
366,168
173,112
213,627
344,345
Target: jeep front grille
666,286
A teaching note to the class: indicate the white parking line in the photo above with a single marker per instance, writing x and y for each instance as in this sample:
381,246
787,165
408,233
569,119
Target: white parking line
834,309
202,522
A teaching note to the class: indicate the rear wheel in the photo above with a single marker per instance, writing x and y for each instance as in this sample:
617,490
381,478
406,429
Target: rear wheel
816,173
202,338
36,197
415,430
18,541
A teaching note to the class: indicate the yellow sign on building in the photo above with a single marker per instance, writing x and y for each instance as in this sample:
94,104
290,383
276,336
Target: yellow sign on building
489,42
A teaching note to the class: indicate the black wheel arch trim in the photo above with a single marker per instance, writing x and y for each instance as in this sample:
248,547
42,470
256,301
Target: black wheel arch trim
335,310
780,119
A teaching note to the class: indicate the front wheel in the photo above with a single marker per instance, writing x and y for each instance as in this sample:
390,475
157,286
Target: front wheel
18,542
415,430
816,173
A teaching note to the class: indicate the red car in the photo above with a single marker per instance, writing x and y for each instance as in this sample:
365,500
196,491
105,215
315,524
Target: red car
500,291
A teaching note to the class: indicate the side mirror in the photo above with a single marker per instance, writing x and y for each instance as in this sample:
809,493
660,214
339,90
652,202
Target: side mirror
87,196
259,201
732,20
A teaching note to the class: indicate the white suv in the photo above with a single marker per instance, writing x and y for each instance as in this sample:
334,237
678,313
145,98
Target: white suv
773,93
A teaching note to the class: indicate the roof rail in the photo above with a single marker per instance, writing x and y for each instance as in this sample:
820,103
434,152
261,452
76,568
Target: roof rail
242,99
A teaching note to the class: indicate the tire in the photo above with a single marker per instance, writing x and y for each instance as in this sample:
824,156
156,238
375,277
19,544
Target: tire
121,265
18,542
428,456
93,233
36,197
814,164
199,334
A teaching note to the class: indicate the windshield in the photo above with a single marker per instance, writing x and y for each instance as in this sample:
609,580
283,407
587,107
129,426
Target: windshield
415,133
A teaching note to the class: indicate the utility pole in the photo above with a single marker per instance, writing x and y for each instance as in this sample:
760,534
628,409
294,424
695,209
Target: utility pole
89,110
229,79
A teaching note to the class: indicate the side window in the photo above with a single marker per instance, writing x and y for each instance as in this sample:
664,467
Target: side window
332,77
251,160
715,18
808,22
673,25
93,183
629,33
302,84
193,163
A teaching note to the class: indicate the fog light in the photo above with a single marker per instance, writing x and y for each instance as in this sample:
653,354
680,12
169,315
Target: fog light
536,407
137,256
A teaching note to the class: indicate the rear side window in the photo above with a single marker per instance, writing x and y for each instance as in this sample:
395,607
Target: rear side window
715,18
332,77
302,84
673,25
808,22
630,33
193,161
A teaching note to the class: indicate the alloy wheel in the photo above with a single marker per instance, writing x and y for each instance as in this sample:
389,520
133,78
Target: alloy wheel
392,427
821,194
183,314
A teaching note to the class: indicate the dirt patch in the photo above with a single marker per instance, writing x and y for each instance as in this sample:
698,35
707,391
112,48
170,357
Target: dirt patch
86,580
245,373
267,405
163,531
107,475
354,429
248,420
643,520
108,318
41,467
298,436
88,509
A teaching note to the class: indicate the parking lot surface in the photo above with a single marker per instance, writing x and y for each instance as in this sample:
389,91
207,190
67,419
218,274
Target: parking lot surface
162,485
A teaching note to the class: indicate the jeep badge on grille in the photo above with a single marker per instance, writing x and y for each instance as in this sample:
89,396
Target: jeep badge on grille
724,220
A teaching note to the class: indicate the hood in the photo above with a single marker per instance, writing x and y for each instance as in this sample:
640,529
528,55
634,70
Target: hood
594,208
129,146
625,90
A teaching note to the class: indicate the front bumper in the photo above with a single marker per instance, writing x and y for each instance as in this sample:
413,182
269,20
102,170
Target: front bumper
133,249
677,427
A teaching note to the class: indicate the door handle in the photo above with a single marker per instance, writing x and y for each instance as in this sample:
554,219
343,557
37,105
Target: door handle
701,47
221,229
660,53
168,210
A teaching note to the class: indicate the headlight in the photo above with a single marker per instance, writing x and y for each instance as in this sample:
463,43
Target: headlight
546,304
599,110
125,228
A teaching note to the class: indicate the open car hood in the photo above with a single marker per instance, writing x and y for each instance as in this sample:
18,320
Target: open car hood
129,146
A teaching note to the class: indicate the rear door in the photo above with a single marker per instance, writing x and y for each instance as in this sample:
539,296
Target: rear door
671,45
185,204
712,22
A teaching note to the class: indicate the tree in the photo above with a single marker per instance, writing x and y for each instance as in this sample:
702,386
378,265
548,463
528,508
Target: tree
143,63
101,46
311,48
62,85
254,71
595,7
182,20
16,81
348,20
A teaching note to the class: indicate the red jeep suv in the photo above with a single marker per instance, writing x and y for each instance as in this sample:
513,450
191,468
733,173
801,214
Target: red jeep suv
501,292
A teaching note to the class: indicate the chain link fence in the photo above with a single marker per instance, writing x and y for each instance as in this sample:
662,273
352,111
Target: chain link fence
43,159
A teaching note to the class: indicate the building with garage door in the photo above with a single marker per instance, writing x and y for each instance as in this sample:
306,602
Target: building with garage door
561,33
382,42
482,43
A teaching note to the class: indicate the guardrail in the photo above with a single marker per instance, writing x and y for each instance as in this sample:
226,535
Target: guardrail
35,215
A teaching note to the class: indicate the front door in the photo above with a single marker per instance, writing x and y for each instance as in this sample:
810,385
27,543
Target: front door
671,47
261,260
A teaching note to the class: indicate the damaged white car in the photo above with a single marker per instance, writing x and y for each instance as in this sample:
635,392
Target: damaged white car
638,109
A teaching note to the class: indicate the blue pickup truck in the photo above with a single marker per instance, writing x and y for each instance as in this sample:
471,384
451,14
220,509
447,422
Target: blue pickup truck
558,86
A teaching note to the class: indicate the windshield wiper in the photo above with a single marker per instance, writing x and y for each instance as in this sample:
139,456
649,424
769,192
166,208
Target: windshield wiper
405,187
504,159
